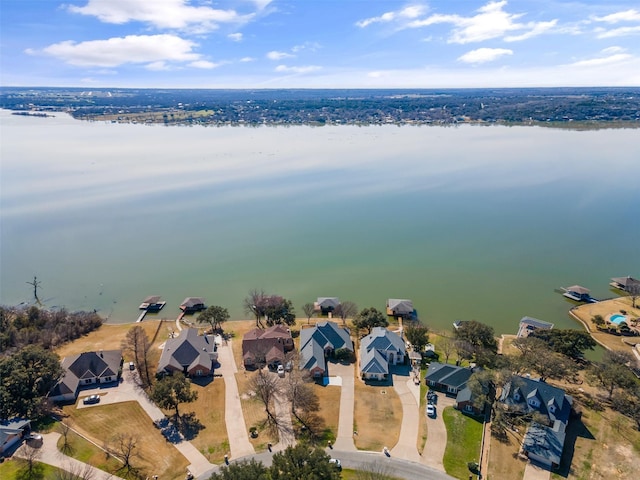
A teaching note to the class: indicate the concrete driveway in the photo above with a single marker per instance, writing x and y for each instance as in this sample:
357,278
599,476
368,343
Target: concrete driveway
406,448
436,442
344,439
533,471
239,443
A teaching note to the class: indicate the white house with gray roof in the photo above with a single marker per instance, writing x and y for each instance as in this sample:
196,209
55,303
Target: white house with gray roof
319,342
378,350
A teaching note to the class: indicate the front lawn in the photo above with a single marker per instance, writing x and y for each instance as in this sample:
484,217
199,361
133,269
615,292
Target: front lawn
464,435
16,469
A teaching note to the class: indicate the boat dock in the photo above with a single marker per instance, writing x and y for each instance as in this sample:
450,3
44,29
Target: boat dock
578,293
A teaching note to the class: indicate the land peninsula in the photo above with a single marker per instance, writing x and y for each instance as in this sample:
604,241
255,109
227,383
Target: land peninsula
578,108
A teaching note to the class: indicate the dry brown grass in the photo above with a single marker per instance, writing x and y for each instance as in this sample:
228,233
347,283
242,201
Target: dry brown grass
377,416
329,399
155,454
254,413
586,312
212,441
503,458
607,445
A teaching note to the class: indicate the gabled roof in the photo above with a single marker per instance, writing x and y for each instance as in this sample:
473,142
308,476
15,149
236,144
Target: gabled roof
104,363
547,395
192,302
400,305
385,340
545,442
314,341
578,289
328,302
464,395
372,361
448,375
626,281
188,350
152,299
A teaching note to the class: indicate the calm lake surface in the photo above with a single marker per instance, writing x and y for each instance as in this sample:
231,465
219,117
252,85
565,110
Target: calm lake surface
469,222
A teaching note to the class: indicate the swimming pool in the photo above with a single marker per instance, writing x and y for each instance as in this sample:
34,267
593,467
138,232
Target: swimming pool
617,319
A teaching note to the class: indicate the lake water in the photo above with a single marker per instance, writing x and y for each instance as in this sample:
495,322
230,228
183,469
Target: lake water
469,222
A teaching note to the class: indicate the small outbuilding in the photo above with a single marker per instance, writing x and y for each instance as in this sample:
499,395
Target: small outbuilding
326,305
192,305
400,307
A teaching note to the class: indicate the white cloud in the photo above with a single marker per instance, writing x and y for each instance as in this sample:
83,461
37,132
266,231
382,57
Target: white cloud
236,37
163,14
311,46
614,49
122,50
625,16
303,69
600,61
204,64
407,13
483,55
491,21
157,66
617,32
275,55
535,30
247,59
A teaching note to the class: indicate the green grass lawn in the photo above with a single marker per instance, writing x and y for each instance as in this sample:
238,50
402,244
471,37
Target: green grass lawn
16,469
464,435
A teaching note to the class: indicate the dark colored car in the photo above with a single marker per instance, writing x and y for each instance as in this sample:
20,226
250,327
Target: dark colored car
91,399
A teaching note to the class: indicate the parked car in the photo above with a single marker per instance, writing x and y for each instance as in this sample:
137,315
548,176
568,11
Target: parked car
280,370
131,366
91,399
36,437
432,397
288,366
336,462
431,410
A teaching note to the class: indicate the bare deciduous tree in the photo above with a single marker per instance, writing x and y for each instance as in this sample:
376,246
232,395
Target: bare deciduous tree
64,431
448,345
72,471
346,310
31,455
309,311
266,387
137,343
254,305
125,448
304,402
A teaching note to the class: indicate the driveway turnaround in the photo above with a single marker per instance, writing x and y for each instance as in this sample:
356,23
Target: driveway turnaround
50,455
344,440
436,442
406,448
283,417
237,432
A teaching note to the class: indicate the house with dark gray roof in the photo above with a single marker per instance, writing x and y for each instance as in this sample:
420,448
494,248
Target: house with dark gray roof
626,284
266,346
447,378
189,353
400,307
542,443
192,304
85,369
326,305
378,350
320,342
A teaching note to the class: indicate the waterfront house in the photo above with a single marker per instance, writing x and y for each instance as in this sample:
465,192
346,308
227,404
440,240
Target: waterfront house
152,303
192,305
88,368
378,350
11,432
447,378
577,293
326,305
320,342
400,307
529,324
542,443
189,353
626,284
266,346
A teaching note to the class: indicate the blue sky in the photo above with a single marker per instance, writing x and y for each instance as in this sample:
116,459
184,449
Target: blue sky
319,43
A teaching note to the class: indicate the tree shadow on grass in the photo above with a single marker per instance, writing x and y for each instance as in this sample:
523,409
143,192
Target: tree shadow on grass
576,429
190,426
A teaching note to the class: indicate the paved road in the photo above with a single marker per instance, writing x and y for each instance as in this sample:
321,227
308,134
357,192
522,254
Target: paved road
406,448
237,432
360,460
344,440
285,425
436,435
49,454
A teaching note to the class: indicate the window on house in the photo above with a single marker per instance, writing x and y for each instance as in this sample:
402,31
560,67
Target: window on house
87,381
451,389
107,379
534,403
468,408
552,409
198,373
516,397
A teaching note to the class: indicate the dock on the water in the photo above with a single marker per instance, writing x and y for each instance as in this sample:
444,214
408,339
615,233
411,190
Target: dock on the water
578,293
152,303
